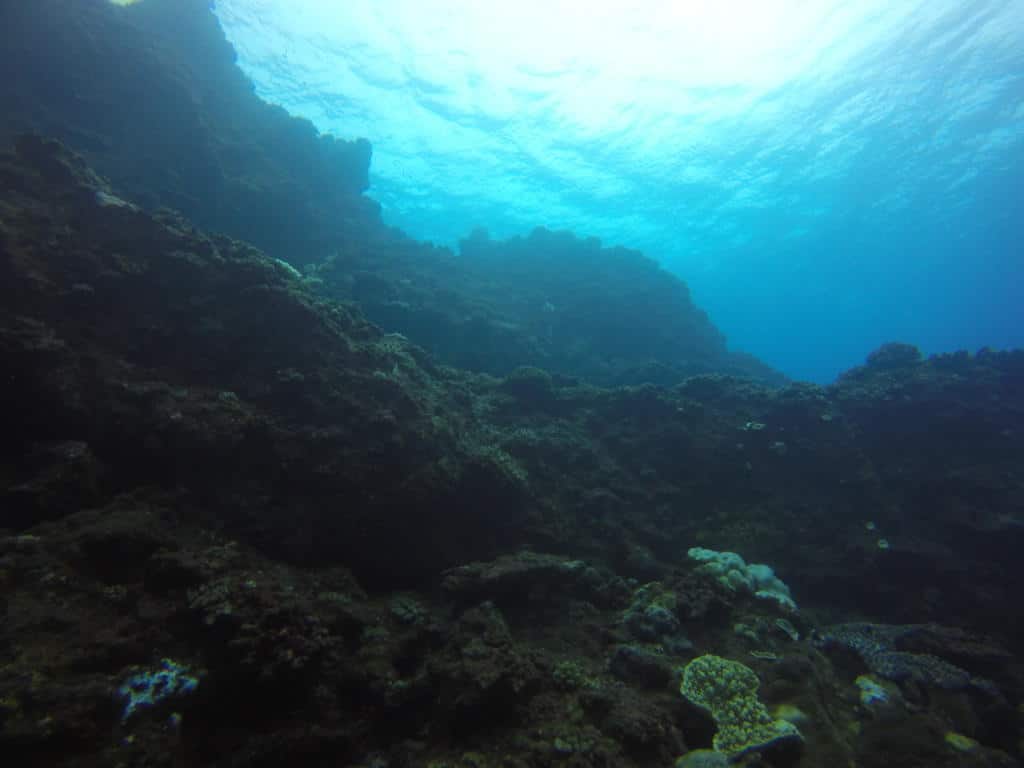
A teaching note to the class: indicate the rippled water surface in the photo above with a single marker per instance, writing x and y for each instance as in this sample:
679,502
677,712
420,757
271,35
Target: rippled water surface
825,175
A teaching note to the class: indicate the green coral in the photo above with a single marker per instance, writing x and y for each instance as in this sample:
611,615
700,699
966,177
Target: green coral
571,675
728,691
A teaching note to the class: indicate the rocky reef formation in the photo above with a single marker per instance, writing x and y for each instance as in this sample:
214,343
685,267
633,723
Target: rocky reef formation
243,523
150,95
551,300
180,358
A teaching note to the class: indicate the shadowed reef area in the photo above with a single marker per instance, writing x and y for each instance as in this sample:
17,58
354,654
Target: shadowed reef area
280,486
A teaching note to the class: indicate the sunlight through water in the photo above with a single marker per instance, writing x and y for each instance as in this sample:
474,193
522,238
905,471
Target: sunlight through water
825,175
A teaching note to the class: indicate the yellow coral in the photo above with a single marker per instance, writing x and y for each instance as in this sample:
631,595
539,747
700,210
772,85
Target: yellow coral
728,691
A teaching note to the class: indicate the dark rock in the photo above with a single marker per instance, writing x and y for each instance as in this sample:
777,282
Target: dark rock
641,666
60,478
169,571
115,542
647,731
173,382
894,355
151,96
513,575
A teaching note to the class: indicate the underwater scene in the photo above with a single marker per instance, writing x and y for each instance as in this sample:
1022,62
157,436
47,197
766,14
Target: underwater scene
450,384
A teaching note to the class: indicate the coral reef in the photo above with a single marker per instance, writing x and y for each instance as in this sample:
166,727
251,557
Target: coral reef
728,691
362,556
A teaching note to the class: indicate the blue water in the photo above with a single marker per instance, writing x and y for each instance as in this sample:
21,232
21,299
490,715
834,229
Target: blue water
825,175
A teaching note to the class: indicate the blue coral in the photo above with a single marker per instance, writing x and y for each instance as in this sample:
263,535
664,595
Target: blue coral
169,681
877,646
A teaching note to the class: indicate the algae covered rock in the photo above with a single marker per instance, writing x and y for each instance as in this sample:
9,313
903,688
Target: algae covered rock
728,691
703,758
